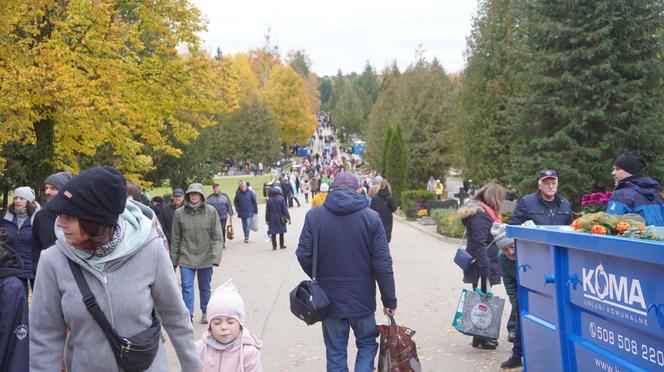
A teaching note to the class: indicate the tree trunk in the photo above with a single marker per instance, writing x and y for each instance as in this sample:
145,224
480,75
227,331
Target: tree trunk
44,153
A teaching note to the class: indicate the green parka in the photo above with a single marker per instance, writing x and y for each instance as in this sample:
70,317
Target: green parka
196,236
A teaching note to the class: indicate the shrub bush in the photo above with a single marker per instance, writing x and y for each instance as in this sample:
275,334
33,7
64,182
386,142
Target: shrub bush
414,200
448,223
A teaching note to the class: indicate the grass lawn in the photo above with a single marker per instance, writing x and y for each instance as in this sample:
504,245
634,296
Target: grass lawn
228,185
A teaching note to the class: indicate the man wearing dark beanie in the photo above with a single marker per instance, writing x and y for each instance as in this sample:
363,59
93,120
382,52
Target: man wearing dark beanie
43,234
635,193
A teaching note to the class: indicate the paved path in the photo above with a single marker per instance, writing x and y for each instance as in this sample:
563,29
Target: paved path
428,287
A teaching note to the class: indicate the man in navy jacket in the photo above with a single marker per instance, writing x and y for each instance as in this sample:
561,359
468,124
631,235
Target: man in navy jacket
545,206
353,255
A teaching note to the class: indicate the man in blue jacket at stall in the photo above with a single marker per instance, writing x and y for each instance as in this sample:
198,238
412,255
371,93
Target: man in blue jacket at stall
353,255
635,193
545,206
14,340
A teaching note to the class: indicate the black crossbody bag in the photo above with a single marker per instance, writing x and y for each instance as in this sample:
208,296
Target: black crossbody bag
133,354
308,301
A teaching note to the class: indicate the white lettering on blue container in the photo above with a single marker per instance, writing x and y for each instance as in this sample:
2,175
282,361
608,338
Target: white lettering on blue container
619,291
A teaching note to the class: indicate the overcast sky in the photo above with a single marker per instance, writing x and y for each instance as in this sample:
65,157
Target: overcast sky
344,34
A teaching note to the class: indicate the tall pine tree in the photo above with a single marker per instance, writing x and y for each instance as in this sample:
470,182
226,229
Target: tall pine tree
595,76
396,163
483,126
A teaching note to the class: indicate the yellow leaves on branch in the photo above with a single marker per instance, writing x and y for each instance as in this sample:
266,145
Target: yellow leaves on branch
285,95
108,73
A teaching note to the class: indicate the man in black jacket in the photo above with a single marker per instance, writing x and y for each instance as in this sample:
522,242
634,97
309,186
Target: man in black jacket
43,233
166,215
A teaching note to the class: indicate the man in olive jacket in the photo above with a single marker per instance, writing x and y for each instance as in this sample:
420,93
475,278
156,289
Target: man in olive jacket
196,245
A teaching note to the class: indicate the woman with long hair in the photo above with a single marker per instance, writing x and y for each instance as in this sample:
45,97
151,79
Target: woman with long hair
478,215
108,243
17,224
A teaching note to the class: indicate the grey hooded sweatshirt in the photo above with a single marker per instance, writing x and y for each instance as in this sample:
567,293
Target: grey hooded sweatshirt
127,288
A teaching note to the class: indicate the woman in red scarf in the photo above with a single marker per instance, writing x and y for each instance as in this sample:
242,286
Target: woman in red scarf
477,215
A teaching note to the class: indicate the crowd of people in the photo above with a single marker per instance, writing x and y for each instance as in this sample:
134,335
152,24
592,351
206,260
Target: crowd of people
101,265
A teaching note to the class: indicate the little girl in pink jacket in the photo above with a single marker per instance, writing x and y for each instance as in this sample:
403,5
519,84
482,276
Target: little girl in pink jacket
227,346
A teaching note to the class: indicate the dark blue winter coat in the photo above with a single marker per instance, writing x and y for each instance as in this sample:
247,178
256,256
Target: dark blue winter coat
14,337
275,209
353,254
480,245
20,240
245,203
533,207
640,195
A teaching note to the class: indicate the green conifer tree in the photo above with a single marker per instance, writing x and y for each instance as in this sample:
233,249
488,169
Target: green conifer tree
595,77
396,164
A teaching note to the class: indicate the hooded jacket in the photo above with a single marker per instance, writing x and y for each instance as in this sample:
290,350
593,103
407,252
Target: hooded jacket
637,194
136,277
20,239
353,254
533,207
479,244
243,355
275,209
197,239
383,203
14,340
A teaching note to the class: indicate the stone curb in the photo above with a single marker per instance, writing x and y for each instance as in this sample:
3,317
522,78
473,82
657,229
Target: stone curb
416,225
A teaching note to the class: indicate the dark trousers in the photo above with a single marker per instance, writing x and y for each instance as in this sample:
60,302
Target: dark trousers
511,322
517,349
274,240
223,228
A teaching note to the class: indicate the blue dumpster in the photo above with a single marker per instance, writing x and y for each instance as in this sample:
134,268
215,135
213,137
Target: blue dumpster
589,302
303,151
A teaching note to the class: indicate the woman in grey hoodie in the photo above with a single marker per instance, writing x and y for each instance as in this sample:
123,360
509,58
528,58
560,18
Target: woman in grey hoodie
125,263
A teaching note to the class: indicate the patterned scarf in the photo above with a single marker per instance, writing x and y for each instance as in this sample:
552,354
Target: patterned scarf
105,249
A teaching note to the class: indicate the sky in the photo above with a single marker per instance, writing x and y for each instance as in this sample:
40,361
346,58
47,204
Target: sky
343,34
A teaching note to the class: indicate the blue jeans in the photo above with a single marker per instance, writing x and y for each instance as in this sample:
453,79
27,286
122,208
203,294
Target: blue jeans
204,281
335,334
246,226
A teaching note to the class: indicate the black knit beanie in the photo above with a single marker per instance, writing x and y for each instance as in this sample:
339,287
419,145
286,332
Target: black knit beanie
99,194
630,162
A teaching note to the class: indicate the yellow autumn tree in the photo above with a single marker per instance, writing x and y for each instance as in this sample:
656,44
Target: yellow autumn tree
87,82
286,96
246,79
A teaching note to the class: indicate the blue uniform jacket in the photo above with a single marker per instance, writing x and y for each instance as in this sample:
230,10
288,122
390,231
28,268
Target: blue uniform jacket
353,254
640,195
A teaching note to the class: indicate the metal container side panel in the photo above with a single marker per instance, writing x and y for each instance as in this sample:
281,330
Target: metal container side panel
541,346
608,294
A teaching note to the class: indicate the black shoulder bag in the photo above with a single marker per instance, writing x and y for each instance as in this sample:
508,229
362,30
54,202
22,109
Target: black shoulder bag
133,354
308,301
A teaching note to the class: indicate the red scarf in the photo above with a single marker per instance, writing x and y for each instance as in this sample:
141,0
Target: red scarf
490,212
